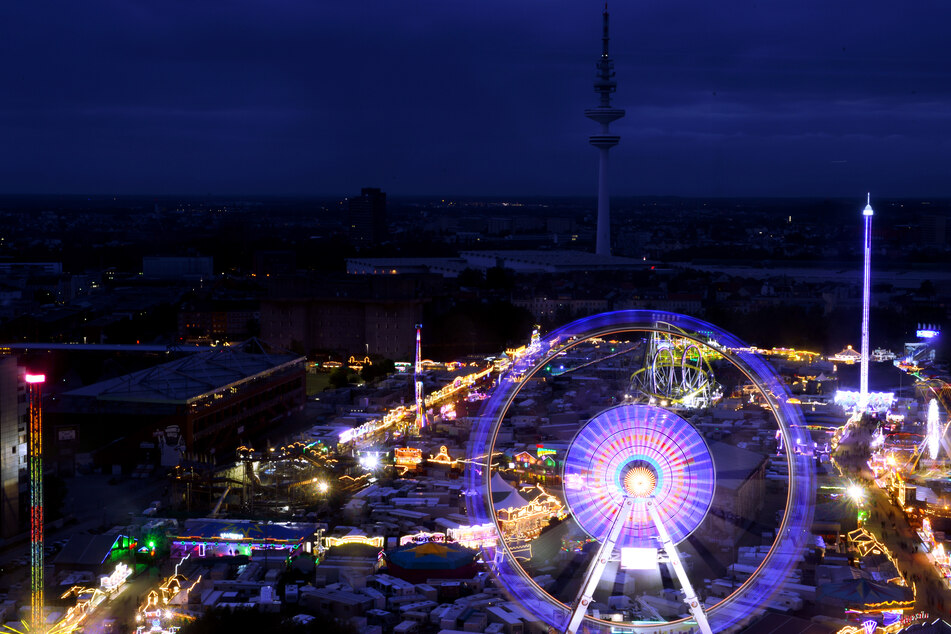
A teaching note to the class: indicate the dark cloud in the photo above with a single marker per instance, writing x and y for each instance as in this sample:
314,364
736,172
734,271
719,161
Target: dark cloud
451,97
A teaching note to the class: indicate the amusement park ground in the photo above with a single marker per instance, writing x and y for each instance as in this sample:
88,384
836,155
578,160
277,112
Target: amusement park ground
94,502
889,524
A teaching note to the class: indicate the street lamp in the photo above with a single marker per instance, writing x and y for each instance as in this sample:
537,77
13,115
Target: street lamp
370,461
855,493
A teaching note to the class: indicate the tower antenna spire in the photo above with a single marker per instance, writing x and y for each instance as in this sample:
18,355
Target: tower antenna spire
604,114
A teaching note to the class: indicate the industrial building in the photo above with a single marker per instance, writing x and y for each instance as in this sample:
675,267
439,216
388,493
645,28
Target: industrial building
13,472
215,398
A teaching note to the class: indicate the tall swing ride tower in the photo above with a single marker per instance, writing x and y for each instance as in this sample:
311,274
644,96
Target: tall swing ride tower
867,214
418,382
38,622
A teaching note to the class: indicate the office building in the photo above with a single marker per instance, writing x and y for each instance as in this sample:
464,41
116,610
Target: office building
367,216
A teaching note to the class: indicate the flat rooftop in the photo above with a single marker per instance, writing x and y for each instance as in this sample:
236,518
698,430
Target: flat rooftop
245,529
522,261
188,379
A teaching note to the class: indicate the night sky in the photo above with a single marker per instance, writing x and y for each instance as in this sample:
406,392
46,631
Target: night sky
484,97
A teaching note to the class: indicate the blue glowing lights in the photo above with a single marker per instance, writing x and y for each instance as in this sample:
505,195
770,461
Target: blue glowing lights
792,533
629,444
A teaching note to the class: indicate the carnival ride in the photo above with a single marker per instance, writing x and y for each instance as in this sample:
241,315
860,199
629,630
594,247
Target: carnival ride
420,398
649,503
934,439
37,615
676,372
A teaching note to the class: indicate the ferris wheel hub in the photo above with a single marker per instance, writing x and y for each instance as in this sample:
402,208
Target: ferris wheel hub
639,481
644,452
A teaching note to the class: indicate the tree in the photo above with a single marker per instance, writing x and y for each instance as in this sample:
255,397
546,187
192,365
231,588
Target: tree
470,277
500,278
379,368
339,378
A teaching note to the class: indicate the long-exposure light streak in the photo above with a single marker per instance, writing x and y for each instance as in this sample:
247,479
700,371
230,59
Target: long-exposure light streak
792,533
934,429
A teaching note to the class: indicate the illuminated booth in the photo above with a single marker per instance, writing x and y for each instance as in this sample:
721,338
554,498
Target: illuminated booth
226,538
861,596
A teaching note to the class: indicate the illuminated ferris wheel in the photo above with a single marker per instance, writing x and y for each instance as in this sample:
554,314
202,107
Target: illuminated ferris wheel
657,508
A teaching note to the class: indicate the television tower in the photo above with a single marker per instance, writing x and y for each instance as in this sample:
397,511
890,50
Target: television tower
37,617
418,376
604,114
867,213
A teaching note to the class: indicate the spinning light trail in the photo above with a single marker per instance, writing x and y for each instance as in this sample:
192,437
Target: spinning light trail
638,476
631,475
621,450
934,429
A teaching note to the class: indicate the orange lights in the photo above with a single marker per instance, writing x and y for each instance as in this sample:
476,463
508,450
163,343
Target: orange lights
640,482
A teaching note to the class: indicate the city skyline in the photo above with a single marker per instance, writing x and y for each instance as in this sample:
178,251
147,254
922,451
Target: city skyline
725,100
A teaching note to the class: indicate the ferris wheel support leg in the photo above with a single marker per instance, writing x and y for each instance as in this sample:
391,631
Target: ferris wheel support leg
690,597
597,566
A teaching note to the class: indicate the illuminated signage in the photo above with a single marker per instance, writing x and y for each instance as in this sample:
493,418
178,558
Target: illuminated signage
478,536
330,542
927,334
421,538
912,618
638,558
231,536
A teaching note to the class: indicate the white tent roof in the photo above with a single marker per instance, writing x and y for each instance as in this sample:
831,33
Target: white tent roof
512,500
500,484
